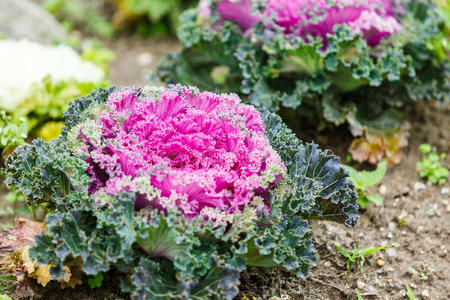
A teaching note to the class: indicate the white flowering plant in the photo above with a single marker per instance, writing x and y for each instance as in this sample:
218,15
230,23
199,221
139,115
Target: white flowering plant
37,82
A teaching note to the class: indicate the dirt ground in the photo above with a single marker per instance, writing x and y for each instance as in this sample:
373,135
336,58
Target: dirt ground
420,240
137,58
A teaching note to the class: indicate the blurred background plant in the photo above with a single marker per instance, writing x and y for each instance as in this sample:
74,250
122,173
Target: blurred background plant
14,204
41,70
150,17
104,18
430,167
364,180
77,14
440,44
37,83
13,132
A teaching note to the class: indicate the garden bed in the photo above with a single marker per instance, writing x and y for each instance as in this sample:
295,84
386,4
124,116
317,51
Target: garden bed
419,241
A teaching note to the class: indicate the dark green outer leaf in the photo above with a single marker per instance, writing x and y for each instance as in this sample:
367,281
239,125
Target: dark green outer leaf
99,239
153,280
74,114
321,185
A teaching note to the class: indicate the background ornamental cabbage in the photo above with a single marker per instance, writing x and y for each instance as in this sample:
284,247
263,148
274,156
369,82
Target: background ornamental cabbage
334,62
178,191
373,19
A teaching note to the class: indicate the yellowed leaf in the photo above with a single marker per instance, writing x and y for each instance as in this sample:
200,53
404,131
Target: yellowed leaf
72,277
27,263
247,296
41,274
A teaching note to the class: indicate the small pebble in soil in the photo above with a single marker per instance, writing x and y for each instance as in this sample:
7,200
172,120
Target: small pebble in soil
371,289
445,191
391,226
384,244
425,294
380,262
418,186
403,215
327,264
144,59
432,211
361,285
383,189
390,269
392,285
443,252
389,235
391,252
448,208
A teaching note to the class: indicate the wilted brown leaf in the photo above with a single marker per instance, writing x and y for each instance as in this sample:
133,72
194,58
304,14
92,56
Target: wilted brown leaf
15,259
22,234
374,148
9,261
72,277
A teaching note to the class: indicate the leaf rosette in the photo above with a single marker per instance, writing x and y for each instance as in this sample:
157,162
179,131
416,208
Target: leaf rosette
179,190
335,61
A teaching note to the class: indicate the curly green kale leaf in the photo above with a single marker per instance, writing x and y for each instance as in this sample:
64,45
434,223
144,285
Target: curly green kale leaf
97,239
321,186
153,280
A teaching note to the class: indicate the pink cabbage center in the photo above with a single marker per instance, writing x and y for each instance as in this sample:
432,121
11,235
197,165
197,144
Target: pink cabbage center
374,19
199,150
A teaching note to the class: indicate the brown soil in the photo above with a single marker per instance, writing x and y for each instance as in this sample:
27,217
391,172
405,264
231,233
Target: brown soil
422,242
110,290
136,58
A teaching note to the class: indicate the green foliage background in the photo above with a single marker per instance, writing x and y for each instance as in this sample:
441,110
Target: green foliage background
104,18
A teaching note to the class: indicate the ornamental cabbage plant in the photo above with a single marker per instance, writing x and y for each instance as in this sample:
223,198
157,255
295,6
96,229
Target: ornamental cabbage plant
178,191
355,62
37,82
